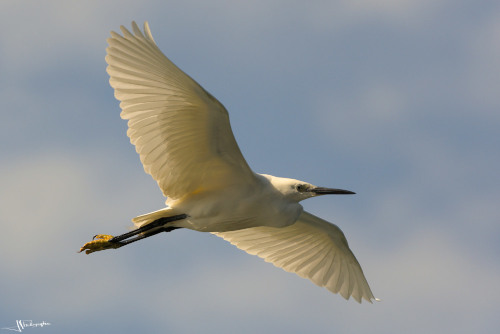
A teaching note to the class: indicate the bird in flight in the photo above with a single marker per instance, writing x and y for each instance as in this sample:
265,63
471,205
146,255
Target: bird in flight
185,142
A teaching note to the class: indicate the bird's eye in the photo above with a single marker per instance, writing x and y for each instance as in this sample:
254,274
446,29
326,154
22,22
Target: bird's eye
301,188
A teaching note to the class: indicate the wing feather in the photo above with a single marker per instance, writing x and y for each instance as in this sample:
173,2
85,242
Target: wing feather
181,132
312,248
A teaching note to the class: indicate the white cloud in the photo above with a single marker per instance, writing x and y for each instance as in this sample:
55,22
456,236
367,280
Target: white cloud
41,196
431,284
50,197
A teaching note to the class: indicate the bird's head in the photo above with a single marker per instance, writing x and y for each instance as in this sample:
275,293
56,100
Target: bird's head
297,190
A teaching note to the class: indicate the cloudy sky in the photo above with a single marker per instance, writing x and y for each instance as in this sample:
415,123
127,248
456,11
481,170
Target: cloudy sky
397,100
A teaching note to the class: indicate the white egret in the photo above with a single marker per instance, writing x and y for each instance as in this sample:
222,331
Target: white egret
185,142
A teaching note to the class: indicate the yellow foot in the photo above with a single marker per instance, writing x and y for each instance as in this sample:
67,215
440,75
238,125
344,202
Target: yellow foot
100,242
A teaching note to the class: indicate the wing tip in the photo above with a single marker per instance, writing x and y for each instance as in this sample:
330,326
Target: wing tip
135,28
147,32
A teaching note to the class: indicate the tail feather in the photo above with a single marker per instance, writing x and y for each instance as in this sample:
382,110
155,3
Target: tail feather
147,218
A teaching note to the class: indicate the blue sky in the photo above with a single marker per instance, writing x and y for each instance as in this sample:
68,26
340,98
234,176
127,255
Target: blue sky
396,100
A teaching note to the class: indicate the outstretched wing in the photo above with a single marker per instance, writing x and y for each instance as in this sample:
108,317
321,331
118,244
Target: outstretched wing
181,132
312,248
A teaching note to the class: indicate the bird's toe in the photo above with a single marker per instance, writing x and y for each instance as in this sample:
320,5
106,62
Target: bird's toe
99,242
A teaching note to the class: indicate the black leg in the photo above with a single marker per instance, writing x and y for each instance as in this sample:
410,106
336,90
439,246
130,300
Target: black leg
145,235
155,224
108,242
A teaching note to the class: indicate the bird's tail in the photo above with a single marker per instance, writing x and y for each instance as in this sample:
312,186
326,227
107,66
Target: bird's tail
152,216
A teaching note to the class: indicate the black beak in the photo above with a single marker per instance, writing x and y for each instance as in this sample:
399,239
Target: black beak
330,191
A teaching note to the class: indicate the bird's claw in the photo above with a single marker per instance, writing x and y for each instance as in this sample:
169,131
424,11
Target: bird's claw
99,242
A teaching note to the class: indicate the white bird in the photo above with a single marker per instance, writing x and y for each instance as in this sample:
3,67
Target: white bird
185,142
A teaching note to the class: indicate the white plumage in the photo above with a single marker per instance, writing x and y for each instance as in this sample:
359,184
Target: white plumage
185,142
312,248
180,131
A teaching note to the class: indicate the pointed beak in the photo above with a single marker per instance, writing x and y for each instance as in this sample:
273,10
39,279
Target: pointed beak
330,191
